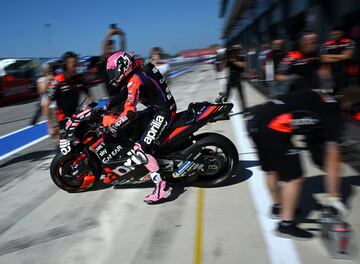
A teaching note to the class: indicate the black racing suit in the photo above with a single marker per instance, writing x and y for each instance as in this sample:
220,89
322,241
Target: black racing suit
148,86
302,112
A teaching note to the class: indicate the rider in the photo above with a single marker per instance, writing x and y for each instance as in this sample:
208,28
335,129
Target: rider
143,83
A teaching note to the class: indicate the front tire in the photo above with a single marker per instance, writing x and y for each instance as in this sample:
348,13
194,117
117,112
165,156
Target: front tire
219,166
58,170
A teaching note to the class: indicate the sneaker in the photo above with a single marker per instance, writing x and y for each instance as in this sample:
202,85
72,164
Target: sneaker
275,211
338,205
290,230
161,192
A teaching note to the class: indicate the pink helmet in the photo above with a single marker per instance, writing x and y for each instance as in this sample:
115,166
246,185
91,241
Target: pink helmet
119,66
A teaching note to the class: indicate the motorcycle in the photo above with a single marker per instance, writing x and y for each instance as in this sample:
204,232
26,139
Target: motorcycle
88,156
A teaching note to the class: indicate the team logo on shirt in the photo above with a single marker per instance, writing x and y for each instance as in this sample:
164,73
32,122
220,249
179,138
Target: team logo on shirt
295,122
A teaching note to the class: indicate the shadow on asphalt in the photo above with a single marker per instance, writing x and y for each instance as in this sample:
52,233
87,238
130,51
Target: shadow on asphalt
314,185
31,157
242,174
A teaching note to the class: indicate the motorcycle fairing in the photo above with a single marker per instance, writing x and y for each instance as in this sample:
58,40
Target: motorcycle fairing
190,120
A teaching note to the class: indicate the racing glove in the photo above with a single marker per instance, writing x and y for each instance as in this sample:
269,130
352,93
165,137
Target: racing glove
123,121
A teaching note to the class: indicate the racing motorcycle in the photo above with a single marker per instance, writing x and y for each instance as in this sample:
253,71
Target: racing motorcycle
89,156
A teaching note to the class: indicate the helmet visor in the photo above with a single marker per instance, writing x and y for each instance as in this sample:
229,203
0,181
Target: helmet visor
114,77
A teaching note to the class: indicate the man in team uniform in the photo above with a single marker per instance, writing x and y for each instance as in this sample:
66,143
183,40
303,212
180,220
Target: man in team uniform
337,53
300,68
142,83
65,90
272,127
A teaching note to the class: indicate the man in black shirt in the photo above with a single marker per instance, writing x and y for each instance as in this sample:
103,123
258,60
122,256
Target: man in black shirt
235,61
65,90
337,53
272,126
300,68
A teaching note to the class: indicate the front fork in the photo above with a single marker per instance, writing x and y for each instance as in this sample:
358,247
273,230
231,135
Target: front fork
81,165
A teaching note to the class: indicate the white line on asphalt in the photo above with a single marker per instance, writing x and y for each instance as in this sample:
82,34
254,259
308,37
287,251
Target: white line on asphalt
14,132
281,250
23,147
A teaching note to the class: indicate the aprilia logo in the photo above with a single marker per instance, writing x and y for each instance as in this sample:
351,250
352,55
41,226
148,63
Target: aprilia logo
155,126
121,121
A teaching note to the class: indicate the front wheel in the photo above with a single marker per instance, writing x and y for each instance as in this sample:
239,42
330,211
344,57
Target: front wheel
60,171
220,159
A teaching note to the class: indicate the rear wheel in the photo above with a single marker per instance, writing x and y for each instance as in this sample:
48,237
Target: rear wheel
60,171
220,159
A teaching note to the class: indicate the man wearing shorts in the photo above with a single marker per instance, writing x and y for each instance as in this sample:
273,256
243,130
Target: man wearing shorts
272,127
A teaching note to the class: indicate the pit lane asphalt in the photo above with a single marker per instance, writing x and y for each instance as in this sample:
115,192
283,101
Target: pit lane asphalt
42,224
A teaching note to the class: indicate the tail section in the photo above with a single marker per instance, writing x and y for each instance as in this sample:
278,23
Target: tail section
196,116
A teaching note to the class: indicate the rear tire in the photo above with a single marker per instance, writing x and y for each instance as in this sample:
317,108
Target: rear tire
229,160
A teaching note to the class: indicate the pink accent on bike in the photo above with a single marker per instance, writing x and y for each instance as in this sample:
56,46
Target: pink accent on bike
159,193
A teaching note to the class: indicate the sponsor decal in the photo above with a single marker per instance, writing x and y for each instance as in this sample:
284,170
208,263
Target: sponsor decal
182,168
129,164
154,129
110,155
99,147
103,152
64,146
121,121
68,124
84,113
122,170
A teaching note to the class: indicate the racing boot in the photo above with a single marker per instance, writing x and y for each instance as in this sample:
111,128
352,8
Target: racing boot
161,190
